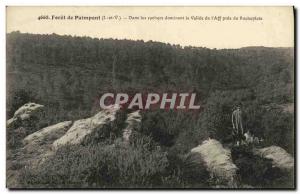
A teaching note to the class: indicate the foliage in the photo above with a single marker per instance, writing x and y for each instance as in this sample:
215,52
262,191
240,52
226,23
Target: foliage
254,170
99,166
70,73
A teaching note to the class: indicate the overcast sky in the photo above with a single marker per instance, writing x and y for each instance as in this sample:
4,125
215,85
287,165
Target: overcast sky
276,29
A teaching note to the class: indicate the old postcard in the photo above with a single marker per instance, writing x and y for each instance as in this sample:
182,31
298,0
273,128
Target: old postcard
150,97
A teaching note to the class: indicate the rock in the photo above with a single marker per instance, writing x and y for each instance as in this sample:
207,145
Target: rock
28,110
133,121
10,122
278,155
81,128
49,133
217,160
25,112
37,148
39,145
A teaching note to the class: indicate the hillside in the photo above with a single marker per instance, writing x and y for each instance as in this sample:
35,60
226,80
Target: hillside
110,150
65,70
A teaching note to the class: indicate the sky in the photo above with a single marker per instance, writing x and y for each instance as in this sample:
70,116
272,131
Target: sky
276,29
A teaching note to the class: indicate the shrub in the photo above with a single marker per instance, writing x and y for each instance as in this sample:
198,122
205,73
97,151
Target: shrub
279,128
173,129
186,171
259,172
19,98
154,124
98,166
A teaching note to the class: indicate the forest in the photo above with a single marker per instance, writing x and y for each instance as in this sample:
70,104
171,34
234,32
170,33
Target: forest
68,75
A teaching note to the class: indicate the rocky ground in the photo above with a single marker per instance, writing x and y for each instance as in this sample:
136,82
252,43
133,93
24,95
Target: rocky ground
36,147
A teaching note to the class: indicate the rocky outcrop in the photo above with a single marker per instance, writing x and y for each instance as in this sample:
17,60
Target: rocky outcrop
28,110
133,121
24,113
38,146
280,158
81,128
217,160
48,134
36,149
210,157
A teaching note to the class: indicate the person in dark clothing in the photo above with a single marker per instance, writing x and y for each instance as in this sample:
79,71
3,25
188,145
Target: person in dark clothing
238,131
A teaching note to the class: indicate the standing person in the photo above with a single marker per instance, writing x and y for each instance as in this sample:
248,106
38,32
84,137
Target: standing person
237,125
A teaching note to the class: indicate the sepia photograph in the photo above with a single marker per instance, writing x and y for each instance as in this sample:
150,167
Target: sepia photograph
150,97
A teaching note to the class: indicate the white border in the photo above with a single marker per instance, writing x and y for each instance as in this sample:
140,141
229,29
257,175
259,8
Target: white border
4,3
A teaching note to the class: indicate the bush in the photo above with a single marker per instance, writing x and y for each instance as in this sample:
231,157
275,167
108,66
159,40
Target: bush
279,128
173,129
20,129
259,172
185,171
19,98
155,125
99,166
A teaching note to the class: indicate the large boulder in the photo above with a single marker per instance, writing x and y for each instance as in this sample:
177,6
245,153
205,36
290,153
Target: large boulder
26,120
84,127
25,112
218,161
48,134
38,145
28,110
278,155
